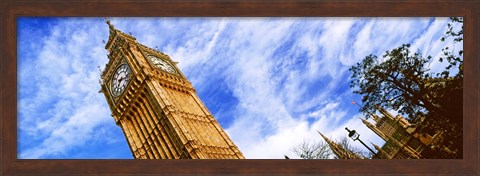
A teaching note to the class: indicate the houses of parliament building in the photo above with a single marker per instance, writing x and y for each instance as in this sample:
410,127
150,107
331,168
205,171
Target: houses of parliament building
402,141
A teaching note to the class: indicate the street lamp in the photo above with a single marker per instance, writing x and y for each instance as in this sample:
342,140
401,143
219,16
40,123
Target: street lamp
355,136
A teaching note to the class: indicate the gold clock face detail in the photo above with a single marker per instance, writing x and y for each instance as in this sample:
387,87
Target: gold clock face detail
120,79
161,64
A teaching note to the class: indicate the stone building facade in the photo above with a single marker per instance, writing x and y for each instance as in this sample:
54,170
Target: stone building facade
402,141
157,107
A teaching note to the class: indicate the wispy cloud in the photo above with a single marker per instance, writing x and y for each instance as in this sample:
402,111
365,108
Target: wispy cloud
60,108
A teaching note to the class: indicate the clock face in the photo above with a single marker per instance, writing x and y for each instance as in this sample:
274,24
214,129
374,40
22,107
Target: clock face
120,79
161,64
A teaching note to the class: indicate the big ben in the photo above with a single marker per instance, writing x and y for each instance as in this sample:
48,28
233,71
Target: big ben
156,107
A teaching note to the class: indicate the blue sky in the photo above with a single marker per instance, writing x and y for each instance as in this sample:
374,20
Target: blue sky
270,82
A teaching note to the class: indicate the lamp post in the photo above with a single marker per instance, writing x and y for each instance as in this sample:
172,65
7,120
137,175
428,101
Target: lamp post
355,136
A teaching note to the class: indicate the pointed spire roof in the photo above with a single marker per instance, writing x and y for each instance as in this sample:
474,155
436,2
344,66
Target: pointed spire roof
374,129
382,153
384,112
338,150
107,20
111,27
365,121
375,118
116,36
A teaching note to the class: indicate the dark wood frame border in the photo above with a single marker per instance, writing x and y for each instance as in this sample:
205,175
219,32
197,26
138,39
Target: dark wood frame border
10,10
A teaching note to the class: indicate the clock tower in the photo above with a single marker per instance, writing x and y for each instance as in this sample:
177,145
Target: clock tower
157,107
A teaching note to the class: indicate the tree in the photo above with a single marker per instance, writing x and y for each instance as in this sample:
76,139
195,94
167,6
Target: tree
451,57
398,83
402,82
345,143
321,149
312,150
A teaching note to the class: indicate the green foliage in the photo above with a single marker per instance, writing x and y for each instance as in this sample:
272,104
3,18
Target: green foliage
454,60
398,83
458,35
402,82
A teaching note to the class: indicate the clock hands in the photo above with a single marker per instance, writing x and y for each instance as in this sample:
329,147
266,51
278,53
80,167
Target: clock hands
120,79
162,64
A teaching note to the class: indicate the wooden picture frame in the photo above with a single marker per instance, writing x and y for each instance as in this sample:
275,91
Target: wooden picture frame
11,10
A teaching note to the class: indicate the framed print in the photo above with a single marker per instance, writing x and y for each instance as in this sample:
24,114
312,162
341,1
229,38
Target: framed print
235,80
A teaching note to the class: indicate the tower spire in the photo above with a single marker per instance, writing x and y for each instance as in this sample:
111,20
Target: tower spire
381,151
374,116
338,150
374,129
107,20
384,112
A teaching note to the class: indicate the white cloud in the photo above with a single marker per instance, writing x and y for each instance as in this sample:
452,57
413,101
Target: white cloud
65,107
362,46
75,131
334,42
